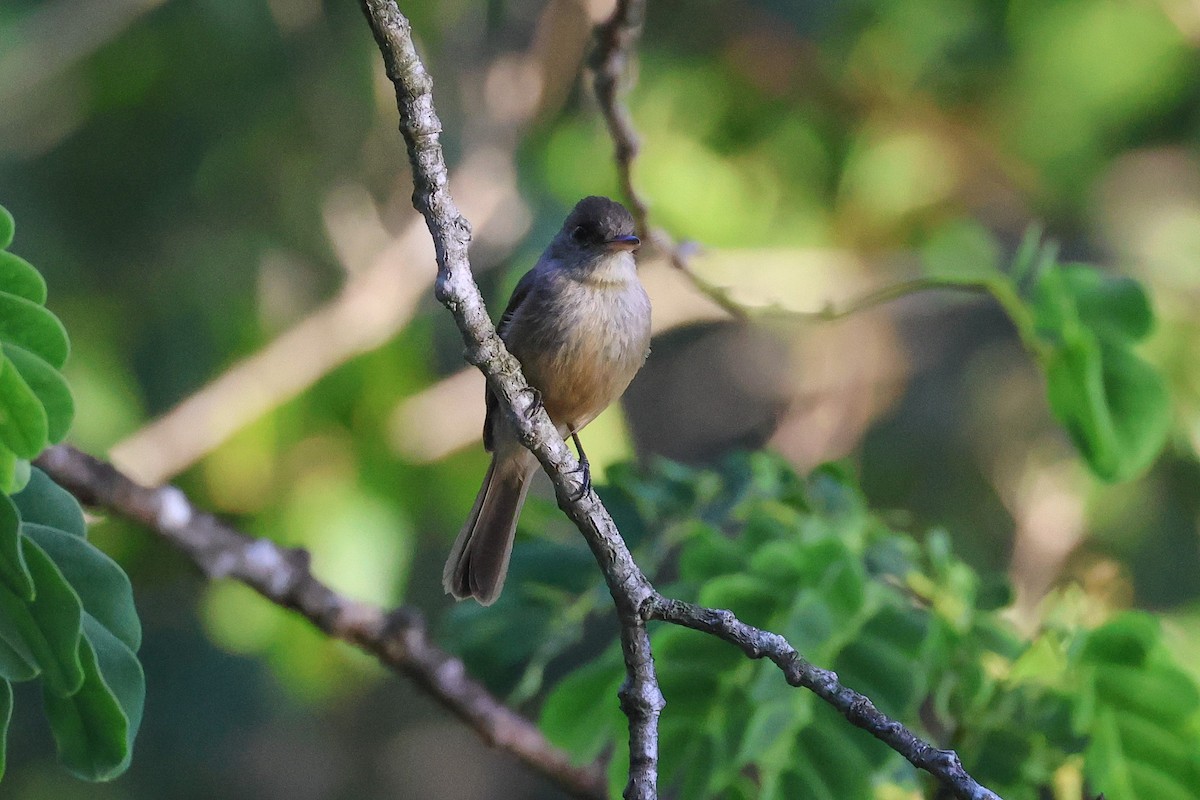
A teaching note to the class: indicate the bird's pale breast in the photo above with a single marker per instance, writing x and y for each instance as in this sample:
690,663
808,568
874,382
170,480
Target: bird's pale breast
584,354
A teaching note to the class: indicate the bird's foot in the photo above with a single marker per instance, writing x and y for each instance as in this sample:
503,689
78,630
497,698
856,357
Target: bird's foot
585,481
535,404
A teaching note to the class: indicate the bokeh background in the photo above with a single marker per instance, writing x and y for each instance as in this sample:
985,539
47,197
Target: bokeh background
219,199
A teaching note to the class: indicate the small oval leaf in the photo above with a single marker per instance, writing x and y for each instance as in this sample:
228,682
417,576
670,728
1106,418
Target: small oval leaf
13,572
24,428
15,666
48,628
89,726
122,673
29,325
50,388
44,502
14,472
102,586
7,228
17,276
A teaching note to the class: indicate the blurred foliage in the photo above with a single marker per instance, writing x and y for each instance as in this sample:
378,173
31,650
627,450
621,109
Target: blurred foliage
901,620
66,609
177,168
1081,326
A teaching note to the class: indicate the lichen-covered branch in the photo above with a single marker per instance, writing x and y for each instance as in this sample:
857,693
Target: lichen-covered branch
397,638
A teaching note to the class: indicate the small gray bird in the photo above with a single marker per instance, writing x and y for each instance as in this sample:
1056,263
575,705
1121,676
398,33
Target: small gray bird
579,323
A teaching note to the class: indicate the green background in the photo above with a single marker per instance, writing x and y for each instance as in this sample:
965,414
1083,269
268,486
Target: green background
195,179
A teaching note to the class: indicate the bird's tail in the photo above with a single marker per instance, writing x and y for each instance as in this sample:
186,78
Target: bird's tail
478,562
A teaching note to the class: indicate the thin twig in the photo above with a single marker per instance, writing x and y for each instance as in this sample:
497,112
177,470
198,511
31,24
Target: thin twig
615,40
397,638
856,708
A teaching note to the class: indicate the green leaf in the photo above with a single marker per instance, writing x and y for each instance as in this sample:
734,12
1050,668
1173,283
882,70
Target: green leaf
1141,712
18,276
29,325
578,714
1111,765
769,732
102,586
13,572
89,726
1033,257
122,672
962,251
47,628
6,706
1114,405
44,502
708,554
23,424
6,228
15,666
1116,307
1129,639
14,472
50,388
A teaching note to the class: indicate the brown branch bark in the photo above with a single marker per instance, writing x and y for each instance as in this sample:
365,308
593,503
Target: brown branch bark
397,638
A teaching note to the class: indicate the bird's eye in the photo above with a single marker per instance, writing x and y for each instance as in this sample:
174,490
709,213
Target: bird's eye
579,234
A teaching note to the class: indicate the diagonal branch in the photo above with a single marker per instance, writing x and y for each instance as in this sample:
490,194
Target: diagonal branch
397,638
640,696
856,708
635,598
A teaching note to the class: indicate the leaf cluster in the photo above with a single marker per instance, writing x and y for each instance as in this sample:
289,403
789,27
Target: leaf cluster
35,403
901,621
1082,326
66,609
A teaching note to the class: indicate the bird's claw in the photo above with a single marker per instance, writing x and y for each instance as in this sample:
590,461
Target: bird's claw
535,403
585,482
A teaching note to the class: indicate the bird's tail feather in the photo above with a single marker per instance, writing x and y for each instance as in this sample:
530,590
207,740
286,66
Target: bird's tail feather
478,562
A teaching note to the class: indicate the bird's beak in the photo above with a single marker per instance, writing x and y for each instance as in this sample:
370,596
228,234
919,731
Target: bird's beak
623,243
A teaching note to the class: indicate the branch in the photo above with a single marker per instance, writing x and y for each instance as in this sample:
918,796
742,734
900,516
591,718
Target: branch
856,708
615,40
641,699
635,598
397,638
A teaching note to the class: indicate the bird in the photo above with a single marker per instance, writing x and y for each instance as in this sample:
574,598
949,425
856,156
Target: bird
579,323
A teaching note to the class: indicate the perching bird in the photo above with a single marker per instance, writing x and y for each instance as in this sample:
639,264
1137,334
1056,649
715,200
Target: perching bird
579,323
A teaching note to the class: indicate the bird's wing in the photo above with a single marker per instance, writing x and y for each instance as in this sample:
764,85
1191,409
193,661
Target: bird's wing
524,286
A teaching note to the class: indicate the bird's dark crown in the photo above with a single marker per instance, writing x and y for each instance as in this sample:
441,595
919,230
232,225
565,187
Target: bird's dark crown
597,220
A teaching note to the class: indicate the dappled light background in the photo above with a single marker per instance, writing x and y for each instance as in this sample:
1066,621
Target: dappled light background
219,198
